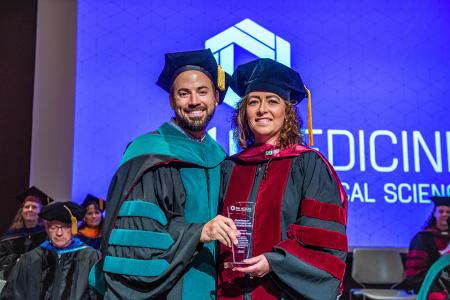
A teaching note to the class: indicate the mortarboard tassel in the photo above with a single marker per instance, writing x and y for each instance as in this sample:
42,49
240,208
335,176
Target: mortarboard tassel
310,127
220,78
73,221
101,204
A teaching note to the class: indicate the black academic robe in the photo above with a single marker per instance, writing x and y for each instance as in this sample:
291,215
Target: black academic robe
50,273
440,288
423,252
93,241
165,190
14,243
299,223
436,284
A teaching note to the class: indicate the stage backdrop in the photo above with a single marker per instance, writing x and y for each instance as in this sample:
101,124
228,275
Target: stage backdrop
379,74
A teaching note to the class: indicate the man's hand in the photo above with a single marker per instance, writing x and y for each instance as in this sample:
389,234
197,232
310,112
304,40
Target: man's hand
256,266
220,229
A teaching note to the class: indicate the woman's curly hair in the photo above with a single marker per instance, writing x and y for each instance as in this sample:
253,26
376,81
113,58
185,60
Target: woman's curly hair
290,131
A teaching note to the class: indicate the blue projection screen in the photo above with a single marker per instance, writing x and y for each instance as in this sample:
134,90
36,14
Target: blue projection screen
379,73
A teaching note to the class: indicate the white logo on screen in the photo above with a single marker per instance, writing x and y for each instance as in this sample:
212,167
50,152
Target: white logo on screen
255,39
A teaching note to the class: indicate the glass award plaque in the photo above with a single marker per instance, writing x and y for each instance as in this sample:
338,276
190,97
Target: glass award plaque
242,215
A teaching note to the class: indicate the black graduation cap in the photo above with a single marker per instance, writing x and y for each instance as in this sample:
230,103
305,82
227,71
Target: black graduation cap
34,191
66,212
90,199
267,75
440,200
199,60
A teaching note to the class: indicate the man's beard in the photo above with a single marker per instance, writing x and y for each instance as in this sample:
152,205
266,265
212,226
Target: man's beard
195,125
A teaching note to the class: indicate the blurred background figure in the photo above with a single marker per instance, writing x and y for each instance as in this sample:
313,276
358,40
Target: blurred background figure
26,231
428,245
90,229
59,267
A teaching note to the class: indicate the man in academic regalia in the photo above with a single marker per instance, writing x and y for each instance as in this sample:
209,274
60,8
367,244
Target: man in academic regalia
59,267
162,201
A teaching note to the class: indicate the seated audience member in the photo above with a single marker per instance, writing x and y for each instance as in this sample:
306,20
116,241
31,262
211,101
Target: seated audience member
90,229
428,245
59,267
436,285
26,231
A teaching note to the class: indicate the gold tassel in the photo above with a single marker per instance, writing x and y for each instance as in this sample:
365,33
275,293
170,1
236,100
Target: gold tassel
74,225
73,220
101,204
220,78
310,127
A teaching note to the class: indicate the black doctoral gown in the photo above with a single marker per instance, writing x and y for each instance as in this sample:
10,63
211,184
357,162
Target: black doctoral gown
50,273
423,252
14,243
93,241
299,223
165,190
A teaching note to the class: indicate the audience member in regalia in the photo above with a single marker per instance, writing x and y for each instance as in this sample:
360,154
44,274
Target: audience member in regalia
26,231
91,227
59,267
428,245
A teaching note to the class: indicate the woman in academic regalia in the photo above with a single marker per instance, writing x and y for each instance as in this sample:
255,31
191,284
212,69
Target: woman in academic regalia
90,229
428,245
26,232
298,242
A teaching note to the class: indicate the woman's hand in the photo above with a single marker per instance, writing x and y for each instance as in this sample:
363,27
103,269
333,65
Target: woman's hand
220,229
446,250
256,266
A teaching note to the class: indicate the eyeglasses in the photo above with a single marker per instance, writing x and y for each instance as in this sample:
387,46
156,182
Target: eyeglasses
57,227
